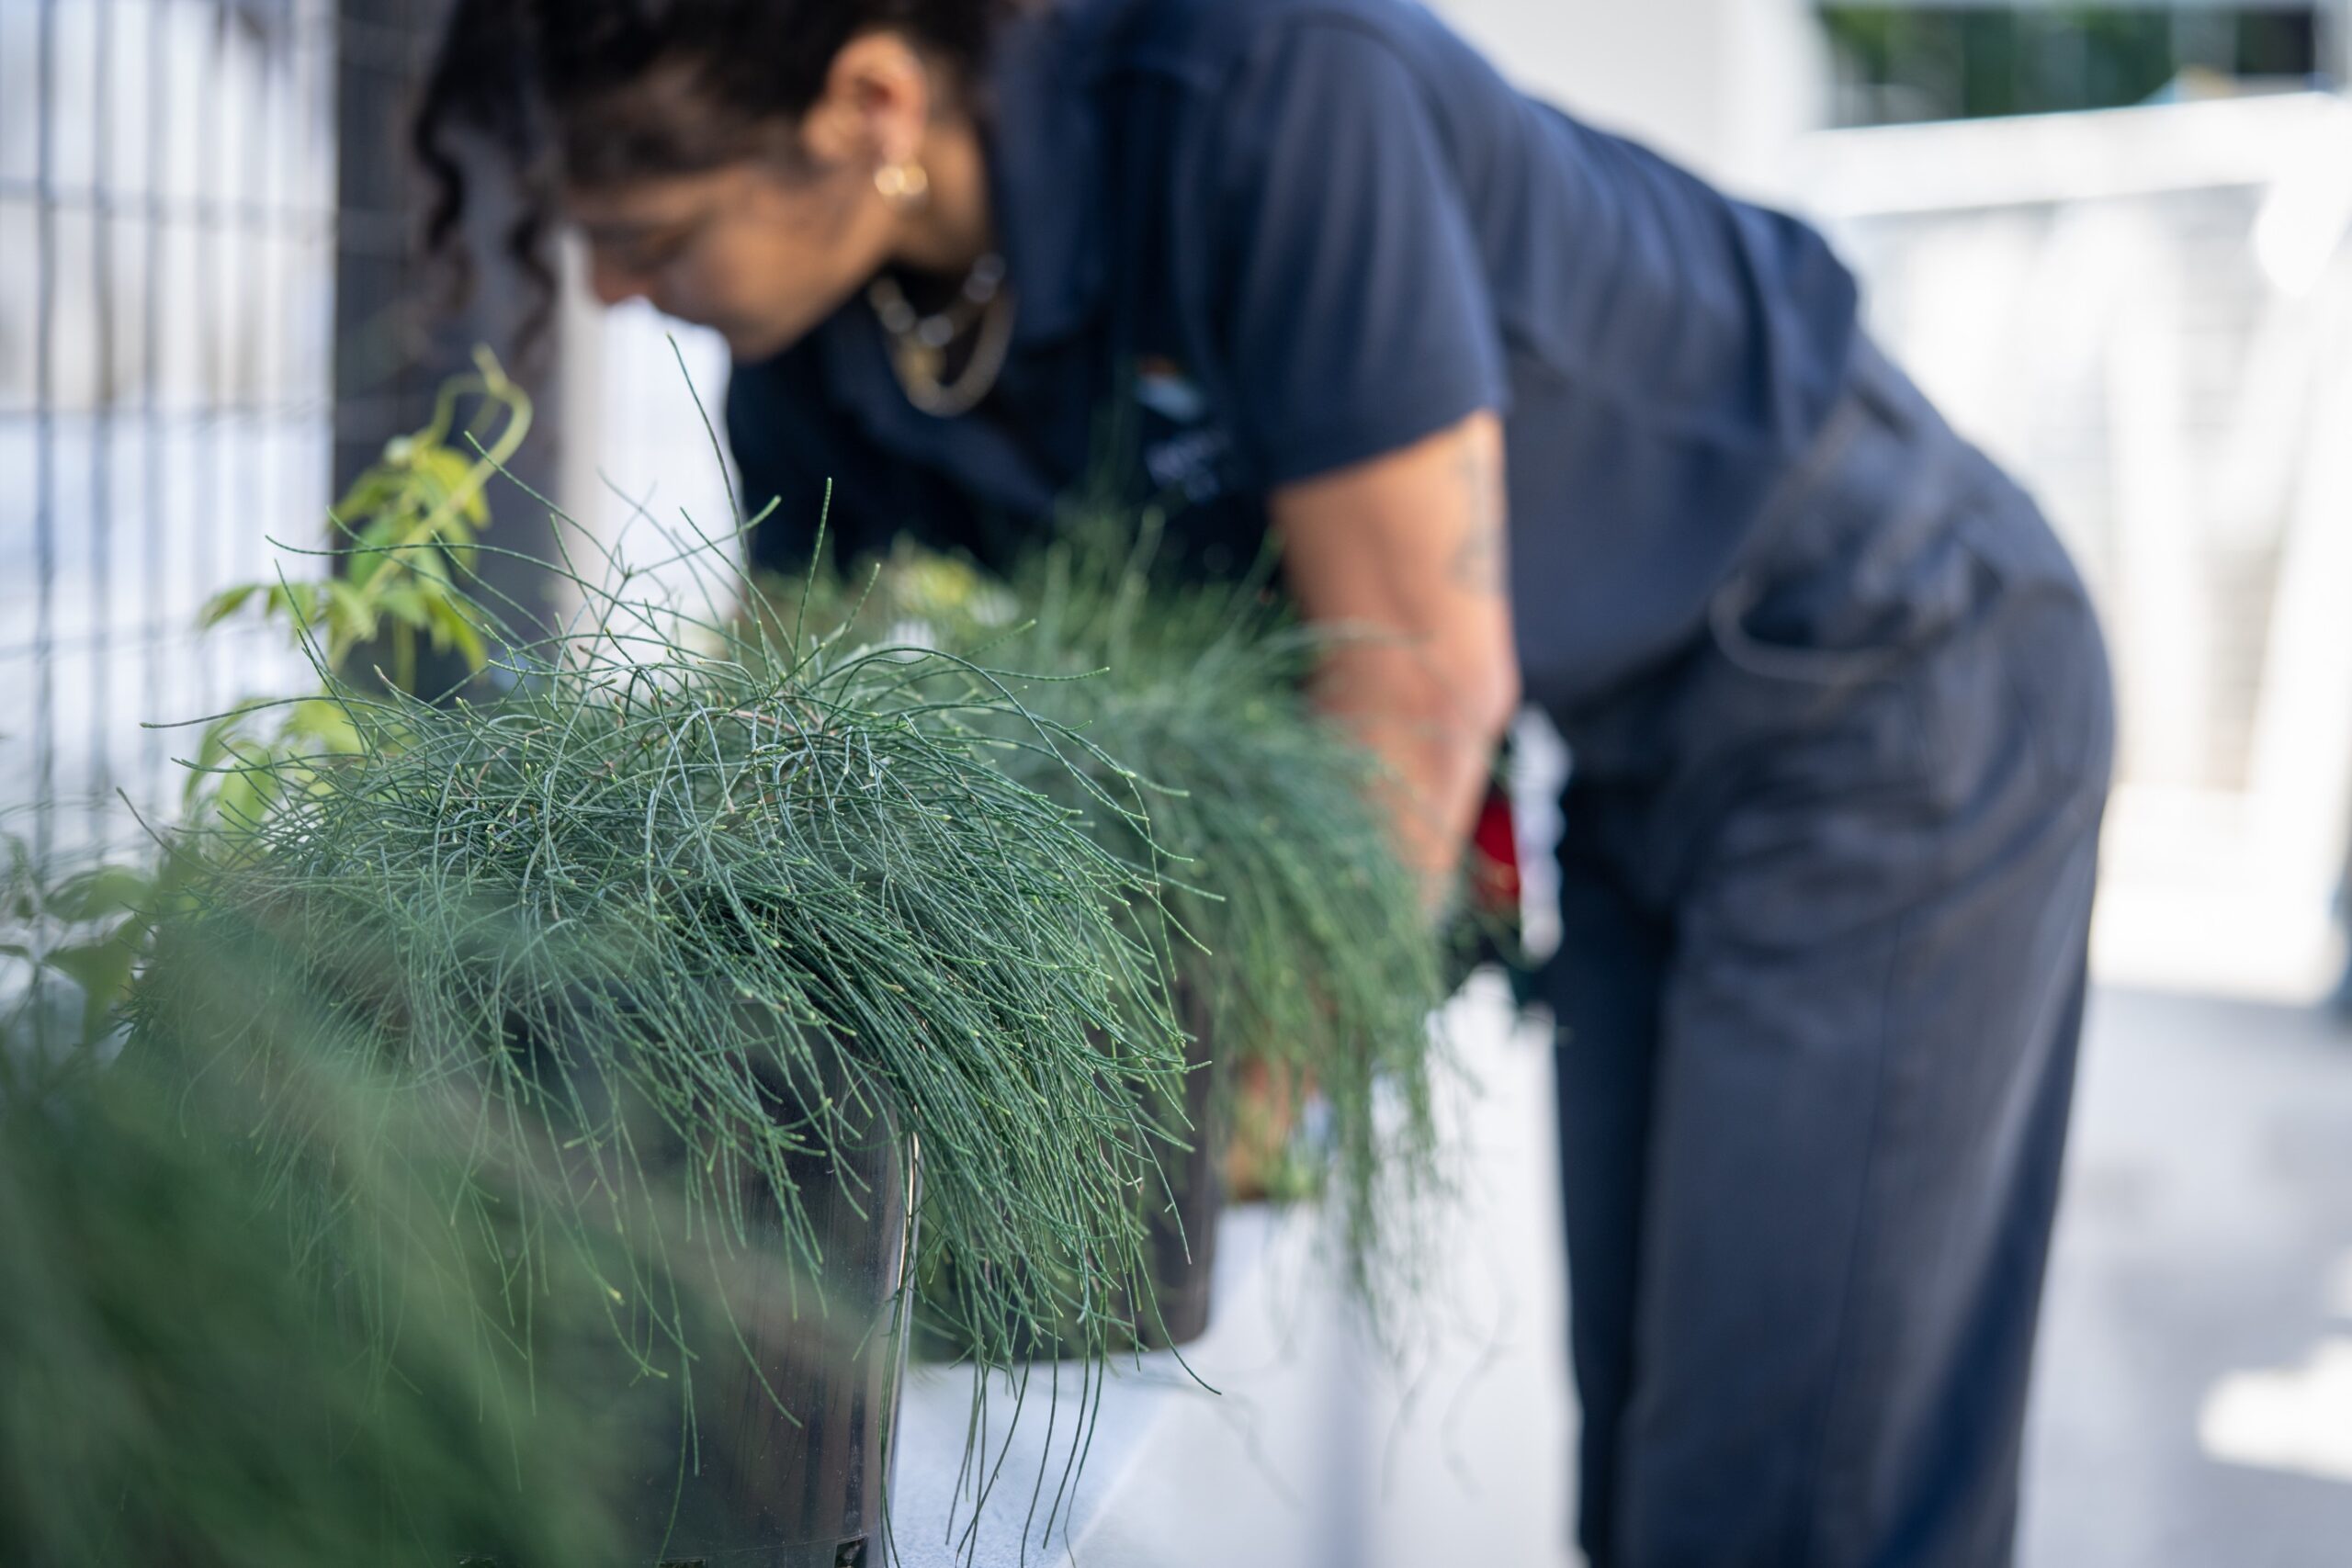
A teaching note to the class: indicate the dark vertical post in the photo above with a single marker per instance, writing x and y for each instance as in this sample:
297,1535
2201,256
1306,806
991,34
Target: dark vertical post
394,344
382,378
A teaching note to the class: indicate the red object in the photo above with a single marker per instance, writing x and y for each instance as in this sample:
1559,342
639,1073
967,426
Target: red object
1494,858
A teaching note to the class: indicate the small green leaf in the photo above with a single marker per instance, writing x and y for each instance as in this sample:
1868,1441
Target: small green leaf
405,603
326,724
446,468
103,970
222,605
103,891
452,628
244,798
351,615
215,746
304,601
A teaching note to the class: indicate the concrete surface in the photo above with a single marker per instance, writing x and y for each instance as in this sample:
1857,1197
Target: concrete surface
2191,1407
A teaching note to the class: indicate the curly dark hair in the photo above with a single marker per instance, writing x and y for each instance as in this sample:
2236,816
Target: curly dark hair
596,92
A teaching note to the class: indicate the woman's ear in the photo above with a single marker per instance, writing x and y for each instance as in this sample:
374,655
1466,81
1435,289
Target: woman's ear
876,103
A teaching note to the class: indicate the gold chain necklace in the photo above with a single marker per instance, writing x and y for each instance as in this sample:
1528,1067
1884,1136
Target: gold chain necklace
918,343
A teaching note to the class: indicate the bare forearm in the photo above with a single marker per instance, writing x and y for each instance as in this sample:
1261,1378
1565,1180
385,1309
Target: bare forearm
1407,555
1435,753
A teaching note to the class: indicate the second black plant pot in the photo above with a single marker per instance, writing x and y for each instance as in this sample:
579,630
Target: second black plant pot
779,1454
1184,1232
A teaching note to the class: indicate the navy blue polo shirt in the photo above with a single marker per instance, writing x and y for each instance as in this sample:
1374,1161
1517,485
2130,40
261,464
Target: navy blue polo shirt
1255,240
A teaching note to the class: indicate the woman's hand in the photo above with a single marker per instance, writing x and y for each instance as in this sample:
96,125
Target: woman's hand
1408,550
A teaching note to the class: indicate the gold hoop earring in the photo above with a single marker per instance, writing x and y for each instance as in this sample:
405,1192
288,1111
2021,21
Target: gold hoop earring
905,183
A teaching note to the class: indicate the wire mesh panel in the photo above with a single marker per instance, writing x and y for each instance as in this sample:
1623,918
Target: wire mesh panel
167,309
402,328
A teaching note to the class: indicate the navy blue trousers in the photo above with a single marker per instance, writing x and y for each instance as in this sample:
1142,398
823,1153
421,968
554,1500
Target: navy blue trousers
1826,884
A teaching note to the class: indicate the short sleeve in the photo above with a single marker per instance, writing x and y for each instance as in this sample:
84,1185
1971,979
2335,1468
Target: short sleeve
1352,298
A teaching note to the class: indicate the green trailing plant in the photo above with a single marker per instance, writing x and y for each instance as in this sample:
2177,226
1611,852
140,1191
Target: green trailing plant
763,898
1294,930
733,893
637,1336
271,1304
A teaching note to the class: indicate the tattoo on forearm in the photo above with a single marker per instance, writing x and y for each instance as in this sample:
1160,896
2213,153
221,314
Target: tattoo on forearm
1480,563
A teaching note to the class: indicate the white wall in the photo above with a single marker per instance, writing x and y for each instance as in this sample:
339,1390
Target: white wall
1725,85
2146,314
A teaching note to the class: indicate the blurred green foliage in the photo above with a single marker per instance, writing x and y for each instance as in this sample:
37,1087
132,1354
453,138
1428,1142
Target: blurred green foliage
215,1357
1915,62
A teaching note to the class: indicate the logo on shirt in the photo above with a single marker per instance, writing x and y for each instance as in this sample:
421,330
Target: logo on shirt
1162,387
1189,461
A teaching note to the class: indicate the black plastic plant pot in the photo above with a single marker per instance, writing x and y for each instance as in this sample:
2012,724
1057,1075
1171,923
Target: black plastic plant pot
782,1457
1180,1229
1183,1234
787,1463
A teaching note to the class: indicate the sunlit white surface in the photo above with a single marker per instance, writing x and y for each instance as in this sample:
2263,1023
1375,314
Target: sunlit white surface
2296,1418
654,486
2146,314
